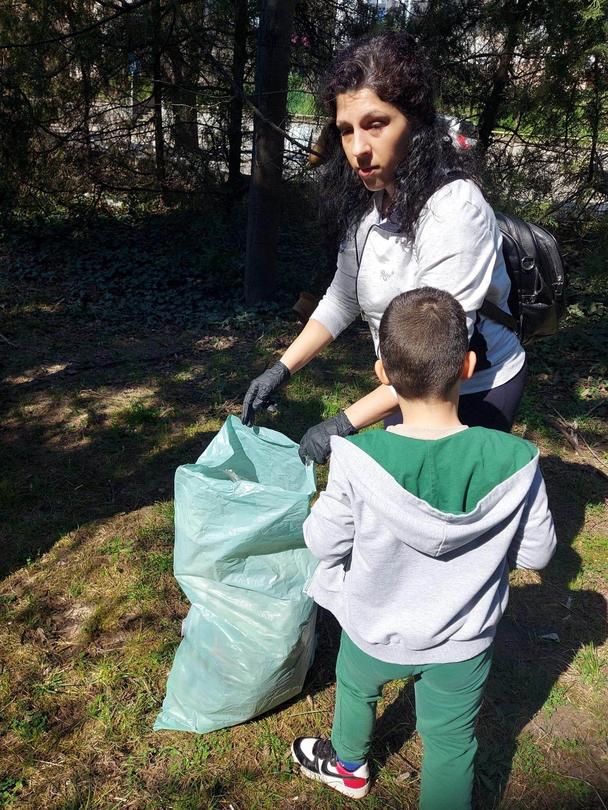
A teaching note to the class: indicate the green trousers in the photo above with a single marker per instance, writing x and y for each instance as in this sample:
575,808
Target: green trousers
448,698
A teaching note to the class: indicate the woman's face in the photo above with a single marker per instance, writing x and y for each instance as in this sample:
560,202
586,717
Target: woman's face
374,135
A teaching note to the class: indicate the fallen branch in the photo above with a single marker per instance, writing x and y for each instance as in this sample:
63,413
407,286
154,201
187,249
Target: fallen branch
595,455
572,433
568,433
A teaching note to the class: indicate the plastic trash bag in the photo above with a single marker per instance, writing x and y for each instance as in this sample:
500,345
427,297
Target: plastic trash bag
248,638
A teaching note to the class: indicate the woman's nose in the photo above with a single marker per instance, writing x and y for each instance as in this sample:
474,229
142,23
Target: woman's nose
361,146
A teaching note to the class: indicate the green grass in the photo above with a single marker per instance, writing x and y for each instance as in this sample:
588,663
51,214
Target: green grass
138,416
10,788
89,626
591,666
557,697
30,726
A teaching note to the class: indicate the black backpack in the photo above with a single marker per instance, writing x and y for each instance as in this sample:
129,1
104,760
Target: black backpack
538,280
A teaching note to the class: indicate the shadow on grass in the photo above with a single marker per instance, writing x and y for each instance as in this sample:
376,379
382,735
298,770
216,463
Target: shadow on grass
77,449
53,489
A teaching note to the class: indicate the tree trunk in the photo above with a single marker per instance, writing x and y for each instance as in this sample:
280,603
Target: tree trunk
87,95
594,115
235,124
272,70
489,115
157,94
183,102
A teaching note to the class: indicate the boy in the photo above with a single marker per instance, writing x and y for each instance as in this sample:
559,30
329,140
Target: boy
416,533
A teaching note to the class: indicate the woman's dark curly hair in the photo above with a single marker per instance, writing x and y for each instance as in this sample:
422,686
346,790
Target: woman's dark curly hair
399,72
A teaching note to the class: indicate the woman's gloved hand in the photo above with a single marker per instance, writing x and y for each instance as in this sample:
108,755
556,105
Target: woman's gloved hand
315,442
261,389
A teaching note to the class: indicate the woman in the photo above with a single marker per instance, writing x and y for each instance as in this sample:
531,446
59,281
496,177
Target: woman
410,216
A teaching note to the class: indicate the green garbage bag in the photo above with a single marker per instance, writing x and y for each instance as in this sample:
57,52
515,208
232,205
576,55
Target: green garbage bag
240,558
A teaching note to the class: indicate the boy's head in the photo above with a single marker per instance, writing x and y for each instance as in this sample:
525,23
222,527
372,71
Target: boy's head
424,344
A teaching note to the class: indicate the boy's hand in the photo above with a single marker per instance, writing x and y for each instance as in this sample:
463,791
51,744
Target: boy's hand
315,442
261,389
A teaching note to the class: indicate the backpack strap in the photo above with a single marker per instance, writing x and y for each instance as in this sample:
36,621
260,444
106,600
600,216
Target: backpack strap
521,232
497,314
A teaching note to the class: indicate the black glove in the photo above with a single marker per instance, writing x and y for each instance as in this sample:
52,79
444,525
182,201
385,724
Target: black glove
315,442
261,389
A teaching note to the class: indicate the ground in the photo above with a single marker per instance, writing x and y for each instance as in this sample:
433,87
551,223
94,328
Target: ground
98,409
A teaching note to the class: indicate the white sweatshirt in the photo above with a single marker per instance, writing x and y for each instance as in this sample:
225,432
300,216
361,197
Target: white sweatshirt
458,248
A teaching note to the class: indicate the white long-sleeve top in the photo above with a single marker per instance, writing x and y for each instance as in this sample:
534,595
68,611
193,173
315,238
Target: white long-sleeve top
457,248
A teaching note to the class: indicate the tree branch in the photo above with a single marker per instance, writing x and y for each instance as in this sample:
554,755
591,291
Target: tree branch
74,34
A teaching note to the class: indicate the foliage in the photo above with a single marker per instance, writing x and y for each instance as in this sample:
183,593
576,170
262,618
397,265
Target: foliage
534,75
99,105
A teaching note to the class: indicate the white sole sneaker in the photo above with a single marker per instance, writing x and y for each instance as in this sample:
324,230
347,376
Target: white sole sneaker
338,782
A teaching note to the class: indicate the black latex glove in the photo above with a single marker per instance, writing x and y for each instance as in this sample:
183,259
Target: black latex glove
315,442
261,389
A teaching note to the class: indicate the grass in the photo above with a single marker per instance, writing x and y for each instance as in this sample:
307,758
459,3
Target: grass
90,613
591,666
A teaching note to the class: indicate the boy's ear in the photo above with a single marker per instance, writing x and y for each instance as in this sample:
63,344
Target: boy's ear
380,372
468,366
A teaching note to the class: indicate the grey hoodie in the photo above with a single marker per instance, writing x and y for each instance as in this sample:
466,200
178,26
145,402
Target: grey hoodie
410,583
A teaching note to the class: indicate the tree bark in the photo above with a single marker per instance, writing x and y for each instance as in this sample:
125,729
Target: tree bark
491,110
183,103
594,115
157,94
235,123
272,70
87,96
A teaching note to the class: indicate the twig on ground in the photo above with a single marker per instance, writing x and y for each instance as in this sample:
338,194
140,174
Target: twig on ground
568,433
595,407
594,454
10,342
574,607
572,433
559,416
408,763
539,727
74,367
585,781
392,730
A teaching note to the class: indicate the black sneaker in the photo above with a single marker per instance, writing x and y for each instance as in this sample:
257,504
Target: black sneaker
317,760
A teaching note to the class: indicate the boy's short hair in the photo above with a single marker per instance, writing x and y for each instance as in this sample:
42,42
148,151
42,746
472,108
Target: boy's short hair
423,342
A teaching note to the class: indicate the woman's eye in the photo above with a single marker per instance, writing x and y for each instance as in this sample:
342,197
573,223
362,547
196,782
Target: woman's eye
344,132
